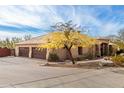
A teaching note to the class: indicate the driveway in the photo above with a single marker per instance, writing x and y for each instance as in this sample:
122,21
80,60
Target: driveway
26,72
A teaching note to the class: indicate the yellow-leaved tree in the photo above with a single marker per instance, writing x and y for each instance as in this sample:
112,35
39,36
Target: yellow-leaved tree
67,36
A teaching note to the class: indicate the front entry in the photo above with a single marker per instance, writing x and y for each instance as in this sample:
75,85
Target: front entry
104,49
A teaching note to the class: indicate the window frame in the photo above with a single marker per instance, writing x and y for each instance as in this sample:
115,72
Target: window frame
80,50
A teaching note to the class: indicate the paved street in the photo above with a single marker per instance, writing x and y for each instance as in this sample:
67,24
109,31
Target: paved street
19,72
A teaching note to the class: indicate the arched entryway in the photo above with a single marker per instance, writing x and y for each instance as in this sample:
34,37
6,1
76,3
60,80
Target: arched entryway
104,49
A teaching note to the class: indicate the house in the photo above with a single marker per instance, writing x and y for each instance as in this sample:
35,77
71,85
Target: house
29,49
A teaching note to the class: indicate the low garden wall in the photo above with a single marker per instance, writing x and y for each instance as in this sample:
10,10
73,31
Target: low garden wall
6,52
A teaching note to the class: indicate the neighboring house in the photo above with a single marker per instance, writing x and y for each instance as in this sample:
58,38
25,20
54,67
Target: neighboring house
29,49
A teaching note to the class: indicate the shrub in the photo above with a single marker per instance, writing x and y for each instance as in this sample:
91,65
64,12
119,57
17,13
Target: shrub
118,60
53,57
88,56
84,57
79,58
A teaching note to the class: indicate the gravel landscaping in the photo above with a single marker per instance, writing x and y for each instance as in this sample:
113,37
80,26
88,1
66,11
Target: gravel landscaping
91,64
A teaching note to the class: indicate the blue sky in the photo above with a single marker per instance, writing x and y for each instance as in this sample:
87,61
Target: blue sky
36,20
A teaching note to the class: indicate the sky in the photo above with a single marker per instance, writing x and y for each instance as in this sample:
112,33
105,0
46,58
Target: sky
20,20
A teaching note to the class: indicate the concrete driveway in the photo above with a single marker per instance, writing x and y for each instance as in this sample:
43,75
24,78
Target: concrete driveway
25,72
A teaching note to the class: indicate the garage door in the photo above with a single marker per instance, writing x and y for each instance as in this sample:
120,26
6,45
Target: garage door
38,54
24,51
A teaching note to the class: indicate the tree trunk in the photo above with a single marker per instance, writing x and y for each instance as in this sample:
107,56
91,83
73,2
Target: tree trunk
72,59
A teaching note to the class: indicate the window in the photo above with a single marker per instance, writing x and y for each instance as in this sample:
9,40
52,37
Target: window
80,50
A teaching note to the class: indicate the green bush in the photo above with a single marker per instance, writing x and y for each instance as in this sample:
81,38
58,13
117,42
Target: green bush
53,57
118,60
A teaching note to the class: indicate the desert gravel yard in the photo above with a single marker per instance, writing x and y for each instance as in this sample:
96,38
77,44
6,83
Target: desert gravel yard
16,72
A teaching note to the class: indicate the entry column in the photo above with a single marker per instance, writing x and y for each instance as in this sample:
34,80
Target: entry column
17,51
99,46
30,52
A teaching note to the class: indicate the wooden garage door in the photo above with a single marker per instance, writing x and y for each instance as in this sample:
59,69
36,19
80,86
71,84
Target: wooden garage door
38,53
24,51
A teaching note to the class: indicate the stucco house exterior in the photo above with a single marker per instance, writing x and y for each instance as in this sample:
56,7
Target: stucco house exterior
29,49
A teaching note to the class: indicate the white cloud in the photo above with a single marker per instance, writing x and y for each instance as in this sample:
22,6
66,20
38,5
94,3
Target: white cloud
7,34
12,16
111,28
44,16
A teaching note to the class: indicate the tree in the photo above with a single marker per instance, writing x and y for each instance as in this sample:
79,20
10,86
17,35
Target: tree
119,44
121,34
66,36
117,40
15,40
27,37
9,43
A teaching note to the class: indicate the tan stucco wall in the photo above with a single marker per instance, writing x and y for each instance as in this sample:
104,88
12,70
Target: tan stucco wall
85,50
62,53
74,52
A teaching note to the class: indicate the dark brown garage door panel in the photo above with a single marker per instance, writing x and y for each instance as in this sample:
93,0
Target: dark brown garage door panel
38,53
24,51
